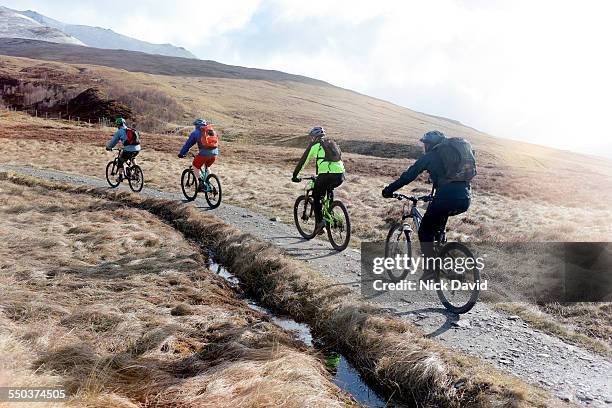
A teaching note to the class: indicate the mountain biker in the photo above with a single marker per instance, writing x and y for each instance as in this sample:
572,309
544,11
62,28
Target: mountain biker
130,139
330,169
207,140
452,190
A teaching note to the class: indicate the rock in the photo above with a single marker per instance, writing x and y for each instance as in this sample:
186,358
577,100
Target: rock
543,355
513,317
463,324
275,219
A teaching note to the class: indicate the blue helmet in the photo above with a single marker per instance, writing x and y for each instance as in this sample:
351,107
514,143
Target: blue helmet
317,132
200,122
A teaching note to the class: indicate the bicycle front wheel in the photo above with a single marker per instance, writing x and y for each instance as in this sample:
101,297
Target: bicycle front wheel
339,229
213,192
136,178
111,173
304,217
398,243
458,278
189,184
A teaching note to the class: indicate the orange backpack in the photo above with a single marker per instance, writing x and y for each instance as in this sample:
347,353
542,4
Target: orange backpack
210,138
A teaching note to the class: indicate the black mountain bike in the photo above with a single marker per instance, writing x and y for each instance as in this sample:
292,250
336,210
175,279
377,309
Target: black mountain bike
191,185
335,215
131,172
399,242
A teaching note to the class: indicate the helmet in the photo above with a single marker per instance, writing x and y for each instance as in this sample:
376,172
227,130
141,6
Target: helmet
317,132
433,137
200,122
119,122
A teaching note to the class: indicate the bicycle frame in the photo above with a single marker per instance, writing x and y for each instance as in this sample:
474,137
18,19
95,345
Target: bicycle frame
410,210
327,200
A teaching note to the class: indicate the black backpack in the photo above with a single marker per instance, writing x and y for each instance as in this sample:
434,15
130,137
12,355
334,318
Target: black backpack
332,150
458,159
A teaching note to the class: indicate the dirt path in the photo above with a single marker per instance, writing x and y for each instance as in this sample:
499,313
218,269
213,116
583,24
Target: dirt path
570,372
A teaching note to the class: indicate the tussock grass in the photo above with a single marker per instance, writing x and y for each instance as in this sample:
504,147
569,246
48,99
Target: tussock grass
390,350
105,300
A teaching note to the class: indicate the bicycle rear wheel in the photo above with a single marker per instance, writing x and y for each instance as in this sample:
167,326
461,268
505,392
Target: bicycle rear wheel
111,173
213,194
189,184
339,230
454,298
136,178
398,243
304,217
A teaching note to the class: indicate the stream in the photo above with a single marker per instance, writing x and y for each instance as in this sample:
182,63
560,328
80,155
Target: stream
345,376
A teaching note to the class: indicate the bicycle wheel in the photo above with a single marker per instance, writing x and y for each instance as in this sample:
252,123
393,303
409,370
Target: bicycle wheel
339,231
189,184
304,217
397,243
213,195
111,174
136,178
458,299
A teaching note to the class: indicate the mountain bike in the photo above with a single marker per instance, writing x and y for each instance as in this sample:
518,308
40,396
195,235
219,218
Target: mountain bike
131,172
191,184
399,242
335,216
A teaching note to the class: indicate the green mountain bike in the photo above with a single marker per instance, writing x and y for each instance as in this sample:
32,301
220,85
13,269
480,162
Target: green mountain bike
335,215
191,185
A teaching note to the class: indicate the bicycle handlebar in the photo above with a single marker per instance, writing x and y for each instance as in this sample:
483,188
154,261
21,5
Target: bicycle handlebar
313,178
414,199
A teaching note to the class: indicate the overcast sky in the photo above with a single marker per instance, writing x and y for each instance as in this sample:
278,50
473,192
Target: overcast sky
535,70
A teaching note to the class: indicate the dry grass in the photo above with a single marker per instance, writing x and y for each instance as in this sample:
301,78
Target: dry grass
586,324
392,351
118,308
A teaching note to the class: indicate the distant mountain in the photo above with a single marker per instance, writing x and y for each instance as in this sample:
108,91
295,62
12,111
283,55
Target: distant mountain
32,25
141,62
16,24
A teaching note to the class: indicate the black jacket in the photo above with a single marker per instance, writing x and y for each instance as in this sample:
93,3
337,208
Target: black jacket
432,162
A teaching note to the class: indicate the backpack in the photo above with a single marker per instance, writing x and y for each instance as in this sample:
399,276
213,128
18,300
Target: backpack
458,159
133,137
210,138
332,150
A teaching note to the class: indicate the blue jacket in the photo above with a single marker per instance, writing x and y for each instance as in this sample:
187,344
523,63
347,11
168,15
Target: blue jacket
195,137
432,162
121,134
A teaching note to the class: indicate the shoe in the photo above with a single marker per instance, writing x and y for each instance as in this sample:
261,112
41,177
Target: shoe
320,228
119,178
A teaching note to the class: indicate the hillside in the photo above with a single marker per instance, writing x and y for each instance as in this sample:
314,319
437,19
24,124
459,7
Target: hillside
259,105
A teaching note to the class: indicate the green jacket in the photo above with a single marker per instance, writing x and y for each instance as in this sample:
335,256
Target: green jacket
315,150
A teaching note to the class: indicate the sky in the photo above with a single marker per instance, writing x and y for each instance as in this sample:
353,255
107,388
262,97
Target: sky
537,70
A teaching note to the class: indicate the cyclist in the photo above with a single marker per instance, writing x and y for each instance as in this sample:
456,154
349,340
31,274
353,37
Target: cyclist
130,139
329,169
451,166
207,140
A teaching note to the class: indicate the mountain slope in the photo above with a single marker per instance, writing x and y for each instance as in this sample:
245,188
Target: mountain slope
18,25
108,39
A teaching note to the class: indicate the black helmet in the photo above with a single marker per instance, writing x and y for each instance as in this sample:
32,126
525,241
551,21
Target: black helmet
433,137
